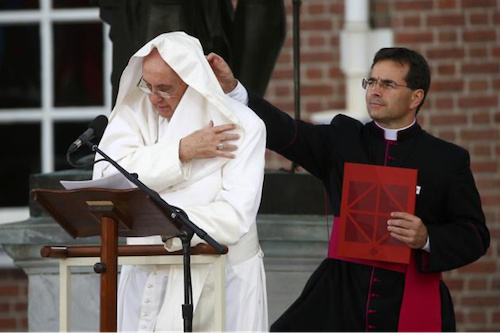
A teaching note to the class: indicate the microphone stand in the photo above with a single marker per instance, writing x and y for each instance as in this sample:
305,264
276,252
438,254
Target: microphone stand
186,234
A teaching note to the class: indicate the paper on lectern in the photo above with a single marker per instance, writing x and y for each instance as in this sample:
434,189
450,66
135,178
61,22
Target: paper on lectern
116,181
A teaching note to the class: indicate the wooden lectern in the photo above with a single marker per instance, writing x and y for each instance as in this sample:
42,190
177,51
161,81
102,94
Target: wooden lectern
111,214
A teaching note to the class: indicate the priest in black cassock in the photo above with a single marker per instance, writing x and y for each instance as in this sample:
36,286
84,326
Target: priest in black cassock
447,231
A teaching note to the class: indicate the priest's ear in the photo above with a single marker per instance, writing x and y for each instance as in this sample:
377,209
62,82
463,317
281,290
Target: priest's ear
417,98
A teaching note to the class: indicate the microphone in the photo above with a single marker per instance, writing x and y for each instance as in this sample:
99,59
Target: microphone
95,130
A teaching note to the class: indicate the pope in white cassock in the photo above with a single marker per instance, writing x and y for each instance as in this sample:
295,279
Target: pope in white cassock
204,153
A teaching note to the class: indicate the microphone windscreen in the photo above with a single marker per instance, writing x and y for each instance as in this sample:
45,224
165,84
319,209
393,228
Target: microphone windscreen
98,125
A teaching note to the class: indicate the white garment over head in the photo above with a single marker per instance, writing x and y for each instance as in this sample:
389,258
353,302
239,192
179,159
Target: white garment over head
219,195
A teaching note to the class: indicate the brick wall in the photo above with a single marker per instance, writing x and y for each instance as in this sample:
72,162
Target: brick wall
461,40
13,300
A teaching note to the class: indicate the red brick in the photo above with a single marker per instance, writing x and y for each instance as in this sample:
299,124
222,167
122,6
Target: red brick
21,307
316,9
484,68
480,134
483,301
314,107
486,166
478,52
488,183
4,307
446,20
411,21
444,103
447,4
413,5
449,120
478,284
496,51
447,36
482,118
335,73
445,53
481,150
314,90
9,290
447,69
478,85
283,91
7,324
316,57
476,317
480,4
455,283
479,36
490,200
317,41
414,37
282,74
479,19
315,25
448,135
448,85
478,102
496,18
314,73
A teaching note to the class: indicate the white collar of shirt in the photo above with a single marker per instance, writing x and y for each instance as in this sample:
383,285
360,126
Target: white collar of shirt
392,133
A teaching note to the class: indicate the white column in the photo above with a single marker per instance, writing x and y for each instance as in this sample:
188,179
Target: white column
354,57
358,44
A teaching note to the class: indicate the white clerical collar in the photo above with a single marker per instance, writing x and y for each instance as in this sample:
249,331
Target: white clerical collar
392,134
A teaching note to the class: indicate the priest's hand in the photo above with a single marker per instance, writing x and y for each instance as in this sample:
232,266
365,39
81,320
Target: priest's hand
223,72
408,229
208,142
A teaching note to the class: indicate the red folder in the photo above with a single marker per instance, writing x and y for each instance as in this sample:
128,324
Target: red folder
369,194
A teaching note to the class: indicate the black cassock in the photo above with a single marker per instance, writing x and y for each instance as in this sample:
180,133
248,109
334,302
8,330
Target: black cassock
343,296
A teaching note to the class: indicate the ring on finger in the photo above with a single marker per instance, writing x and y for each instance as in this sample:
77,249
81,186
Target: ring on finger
220,146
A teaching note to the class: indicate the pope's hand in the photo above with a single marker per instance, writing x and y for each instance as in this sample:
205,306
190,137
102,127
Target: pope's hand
208,142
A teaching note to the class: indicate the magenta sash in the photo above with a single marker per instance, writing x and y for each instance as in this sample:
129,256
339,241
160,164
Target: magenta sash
421,306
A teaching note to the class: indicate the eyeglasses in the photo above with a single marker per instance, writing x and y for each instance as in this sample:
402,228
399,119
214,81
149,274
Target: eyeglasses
144,86
384,84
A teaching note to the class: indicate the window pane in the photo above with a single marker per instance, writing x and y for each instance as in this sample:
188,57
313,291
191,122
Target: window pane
64,134
18,162
78,64
19,66
18,4
73,3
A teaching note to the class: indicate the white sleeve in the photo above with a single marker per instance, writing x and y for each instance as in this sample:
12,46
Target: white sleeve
239,94
235,207
427,246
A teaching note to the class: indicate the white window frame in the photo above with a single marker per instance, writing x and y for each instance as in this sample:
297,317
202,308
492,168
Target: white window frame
48,114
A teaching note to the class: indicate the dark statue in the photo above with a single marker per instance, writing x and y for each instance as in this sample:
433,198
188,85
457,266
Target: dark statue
249,36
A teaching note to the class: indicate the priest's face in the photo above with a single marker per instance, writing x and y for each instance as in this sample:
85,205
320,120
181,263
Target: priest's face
388,99
165,87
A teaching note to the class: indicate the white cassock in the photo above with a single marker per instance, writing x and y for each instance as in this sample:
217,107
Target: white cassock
219,195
